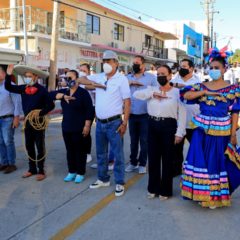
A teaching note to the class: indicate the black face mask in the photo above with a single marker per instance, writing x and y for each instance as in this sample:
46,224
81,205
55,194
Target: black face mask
162,80
136,68
183,72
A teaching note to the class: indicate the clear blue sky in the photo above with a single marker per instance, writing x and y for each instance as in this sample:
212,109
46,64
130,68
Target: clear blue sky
226,23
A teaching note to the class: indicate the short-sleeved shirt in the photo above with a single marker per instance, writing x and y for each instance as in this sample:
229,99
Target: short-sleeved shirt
193,109
109,101
147,79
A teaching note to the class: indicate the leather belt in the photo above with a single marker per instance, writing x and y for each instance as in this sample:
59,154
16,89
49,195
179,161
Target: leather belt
6,116
109,119
160,118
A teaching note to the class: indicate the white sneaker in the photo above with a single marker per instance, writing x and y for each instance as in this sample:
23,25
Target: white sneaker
130,168
151,195
119,190
89,158
99,184
94,166
142,170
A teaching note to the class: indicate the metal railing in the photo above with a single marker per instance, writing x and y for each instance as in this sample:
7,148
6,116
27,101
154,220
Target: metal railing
40,21
154,51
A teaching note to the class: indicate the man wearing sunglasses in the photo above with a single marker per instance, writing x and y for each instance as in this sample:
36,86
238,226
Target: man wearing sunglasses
112,100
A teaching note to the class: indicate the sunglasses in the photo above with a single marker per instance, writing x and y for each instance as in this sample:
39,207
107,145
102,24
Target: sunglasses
216,68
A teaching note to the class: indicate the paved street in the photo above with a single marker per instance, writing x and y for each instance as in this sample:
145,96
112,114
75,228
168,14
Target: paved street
31,210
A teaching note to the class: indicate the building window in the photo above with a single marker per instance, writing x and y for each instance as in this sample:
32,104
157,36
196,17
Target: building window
93,24
148,41
159,43
118,32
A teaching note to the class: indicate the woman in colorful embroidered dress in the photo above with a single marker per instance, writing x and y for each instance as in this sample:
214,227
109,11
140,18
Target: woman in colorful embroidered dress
206,174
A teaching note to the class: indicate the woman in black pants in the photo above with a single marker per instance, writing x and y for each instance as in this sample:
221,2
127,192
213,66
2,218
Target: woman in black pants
78,114
167,118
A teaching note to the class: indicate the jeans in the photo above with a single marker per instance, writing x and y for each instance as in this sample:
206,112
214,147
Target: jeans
138,129
107,133
7,146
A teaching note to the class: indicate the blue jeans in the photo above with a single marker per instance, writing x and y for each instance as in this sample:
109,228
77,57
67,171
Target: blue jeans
105,134
7,146
138,129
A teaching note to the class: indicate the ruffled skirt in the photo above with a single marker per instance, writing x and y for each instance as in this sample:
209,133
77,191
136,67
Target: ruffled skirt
209,176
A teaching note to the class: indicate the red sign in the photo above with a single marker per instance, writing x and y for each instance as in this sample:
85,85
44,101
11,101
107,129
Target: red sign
90,53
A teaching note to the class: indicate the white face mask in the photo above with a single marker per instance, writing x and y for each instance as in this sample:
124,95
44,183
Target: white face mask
107,68
82,74
28,81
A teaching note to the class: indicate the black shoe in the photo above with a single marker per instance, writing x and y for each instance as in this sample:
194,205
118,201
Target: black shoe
3,167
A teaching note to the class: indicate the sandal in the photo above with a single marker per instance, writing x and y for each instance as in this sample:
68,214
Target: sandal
162,198
40,177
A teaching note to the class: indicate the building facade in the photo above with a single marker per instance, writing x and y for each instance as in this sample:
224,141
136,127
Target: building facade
86,29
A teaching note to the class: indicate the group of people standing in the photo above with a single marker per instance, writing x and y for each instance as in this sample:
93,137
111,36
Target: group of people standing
159,115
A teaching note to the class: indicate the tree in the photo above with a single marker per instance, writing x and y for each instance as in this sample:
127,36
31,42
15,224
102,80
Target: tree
235,57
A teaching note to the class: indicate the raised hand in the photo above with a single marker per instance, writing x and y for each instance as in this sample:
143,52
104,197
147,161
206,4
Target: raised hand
10,69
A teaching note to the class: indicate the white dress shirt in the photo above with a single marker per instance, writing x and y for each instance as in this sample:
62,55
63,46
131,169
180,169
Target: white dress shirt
170,107
192,109
109,101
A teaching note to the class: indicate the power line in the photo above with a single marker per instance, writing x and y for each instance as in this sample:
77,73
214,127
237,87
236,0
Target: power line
134,10
101,15
121,9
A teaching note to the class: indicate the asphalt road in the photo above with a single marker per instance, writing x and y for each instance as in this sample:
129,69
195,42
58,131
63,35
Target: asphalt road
53,209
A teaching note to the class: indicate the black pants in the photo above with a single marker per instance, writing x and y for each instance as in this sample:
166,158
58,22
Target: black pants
178,159
88,144
161,136
35,138
76,153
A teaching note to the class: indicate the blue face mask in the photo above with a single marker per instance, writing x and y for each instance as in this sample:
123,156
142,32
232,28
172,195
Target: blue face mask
28,81
215,74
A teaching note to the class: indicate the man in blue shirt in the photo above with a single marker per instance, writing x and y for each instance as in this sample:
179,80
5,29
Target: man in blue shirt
138,121
10,109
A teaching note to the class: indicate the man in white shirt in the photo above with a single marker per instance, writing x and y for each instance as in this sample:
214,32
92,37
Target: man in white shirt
185,77
111,102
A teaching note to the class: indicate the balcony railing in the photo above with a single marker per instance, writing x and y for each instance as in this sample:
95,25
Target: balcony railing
40,21
154,51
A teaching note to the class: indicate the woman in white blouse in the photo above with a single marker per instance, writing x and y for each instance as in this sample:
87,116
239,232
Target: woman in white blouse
167,122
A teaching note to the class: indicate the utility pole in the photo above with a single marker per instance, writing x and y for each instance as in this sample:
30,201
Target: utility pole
210,11
212,17
25,31
206,6
53,51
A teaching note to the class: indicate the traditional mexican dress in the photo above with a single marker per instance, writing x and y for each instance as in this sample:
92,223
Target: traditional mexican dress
209,176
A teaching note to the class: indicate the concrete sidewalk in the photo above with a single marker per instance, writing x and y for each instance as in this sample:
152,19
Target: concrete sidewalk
31,210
